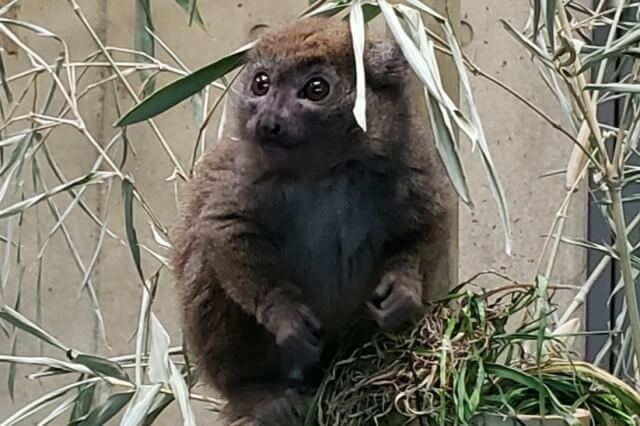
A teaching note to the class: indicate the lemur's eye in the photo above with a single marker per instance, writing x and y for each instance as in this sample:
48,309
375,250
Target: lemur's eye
260,84
316,89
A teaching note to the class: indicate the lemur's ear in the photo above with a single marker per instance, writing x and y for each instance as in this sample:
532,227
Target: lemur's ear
385,64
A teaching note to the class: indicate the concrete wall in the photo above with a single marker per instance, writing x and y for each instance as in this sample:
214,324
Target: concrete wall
523,149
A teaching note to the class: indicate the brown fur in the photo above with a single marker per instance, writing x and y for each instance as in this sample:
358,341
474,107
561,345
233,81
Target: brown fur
374,211
309,40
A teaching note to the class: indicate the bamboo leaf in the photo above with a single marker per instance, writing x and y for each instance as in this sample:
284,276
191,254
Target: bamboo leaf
369,10
618,47
104,412
13,368
191,7
4,9
101,366
159,353
537,12
192,11
18,320
158,237
132,236
3,78
473,129
157,408
58,411
423,70
327,9
181,391
448,149
440,123
356,21
41,403
143,41
487,161
419,5
52,363
163,370
83,403
38,30
615,87
140,405
14,139
550,14
532,48
88,179
182,88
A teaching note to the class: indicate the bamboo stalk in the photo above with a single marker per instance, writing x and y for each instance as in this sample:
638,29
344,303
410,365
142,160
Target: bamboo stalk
622,246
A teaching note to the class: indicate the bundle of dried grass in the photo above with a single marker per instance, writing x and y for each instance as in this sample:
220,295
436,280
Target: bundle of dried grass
459,360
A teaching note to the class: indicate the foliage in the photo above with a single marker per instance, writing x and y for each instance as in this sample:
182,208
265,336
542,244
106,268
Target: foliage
560,40
53,94
462,359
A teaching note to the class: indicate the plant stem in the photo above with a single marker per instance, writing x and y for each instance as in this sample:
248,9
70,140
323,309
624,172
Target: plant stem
622,246
172,157
588,106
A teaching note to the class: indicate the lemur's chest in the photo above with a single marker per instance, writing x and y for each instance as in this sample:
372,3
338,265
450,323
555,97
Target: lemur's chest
333,233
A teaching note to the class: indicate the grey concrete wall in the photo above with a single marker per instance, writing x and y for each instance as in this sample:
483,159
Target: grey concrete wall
521,146
524,148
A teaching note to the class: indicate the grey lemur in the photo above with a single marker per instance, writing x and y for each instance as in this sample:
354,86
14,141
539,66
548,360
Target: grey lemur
300,223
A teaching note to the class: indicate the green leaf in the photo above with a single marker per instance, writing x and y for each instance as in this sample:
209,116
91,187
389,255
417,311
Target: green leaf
440,122
83,403
89,178
427,71
143,41
13,369
3,78
184,87
550,14
518,376
541,291
40,403
369,10
190,7
474,399
158,407
132,236
16,319
448,150
537,12
140,405
192,11
101,366
60,409
106,411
